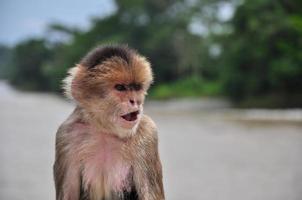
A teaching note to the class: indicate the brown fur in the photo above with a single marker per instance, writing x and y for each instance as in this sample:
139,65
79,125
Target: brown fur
96,156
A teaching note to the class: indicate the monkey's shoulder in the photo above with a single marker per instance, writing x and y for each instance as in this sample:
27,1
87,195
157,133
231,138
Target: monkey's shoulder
71,124
147,128
147,123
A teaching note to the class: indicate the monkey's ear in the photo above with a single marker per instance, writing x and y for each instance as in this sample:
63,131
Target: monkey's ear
102,53
67,82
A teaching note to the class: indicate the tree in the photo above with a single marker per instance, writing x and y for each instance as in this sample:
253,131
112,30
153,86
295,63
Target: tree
5,58
262,55
27,61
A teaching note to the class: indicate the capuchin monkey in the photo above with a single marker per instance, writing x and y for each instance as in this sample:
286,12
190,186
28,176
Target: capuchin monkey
107,149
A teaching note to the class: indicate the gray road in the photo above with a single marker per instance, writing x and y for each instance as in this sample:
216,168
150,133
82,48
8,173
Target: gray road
206,154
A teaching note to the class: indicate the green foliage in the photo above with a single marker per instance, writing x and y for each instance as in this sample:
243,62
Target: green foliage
26,67
187,87
263,54
255,58
5,59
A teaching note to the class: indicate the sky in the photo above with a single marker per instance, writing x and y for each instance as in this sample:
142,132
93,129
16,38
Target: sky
21,19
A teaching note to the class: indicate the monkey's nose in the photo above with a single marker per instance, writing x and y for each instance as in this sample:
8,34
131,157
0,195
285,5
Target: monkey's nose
132,102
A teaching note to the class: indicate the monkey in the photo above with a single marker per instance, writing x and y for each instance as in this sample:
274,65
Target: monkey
107,149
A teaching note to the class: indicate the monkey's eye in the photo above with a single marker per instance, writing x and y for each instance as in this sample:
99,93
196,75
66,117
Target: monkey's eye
137,87
120,87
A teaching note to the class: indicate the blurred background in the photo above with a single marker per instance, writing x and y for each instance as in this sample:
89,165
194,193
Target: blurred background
227,96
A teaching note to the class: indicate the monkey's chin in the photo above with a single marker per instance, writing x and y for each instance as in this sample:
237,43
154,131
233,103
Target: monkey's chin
128,125
126,129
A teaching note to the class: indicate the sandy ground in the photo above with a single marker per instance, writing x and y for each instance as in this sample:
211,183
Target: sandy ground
206,154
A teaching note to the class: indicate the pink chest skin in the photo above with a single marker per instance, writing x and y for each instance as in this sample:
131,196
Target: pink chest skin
104,167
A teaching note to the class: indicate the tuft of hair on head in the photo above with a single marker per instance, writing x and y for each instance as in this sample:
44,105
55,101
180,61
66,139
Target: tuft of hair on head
102,53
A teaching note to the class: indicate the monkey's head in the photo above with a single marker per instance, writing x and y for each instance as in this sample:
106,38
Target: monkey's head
110,83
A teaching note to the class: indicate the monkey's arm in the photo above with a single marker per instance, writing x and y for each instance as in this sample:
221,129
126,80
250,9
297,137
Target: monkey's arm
59,167
66,172
148,172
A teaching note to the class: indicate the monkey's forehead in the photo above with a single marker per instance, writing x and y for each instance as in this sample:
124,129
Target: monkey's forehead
117,71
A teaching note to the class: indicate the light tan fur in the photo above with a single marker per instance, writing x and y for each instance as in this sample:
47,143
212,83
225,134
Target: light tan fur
98,155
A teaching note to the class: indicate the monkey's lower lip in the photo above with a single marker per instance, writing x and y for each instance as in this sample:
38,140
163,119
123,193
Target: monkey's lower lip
131,116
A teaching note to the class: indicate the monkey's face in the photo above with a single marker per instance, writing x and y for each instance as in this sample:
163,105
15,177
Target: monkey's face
127,99
113,92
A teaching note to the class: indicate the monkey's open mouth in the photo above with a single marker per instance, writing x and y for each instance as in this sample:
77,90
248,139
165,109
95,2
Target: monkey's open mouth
131,116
